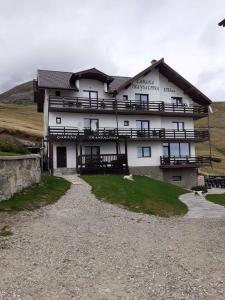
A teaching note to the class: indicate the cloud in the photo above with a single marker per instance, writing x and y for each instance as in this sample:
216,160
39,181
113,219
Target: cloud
120,37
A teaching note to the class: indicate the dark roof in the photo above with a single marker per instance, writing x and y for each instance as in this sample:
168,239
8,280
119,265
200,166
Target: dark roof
54,79
117,81
222,23
64,80
92,74
174,77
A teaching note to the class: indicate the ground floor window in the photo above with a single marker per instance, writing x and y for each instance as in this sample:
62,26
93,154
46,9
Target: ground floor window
143,151
177,178
176,149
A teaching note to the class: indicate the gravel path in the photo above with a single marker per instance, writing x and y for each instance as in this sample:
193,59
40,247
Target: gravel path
199,207
82,248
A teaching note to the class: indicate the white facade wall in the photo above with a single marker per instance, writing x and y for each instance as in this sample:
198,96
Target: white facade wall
154,84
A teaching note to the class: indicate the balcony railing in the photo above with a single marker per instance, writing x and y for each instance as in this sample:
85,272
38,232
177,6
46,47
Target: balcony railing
72,133
184,161
102,163
82,104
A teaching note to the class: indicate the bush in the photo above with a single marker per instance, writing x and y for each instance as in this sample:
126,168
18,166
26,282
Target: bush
10,144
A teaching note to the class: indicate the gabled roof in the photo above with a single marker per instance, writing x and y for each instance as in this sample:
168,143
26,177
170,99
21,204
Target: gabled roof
172,76
92,74
222,23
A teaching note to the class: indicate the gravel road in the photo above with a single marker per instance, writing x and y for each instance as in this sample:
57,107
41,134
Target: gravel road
82,248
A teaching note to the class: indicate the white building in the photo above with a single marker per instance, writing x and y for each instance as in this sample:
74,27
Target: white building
95,123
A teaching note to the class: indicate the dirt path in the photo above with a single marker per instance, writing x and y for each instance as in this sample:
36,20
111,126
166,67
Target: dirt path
82,248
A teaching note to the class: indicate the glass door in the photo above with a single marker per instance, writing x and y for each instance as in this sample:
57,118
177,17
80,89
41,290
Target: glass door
92,97
142,127
92,156
141,101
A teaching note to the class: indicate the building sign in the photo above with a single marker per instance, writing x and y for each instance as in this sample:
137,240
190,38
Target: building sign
169,90
145,85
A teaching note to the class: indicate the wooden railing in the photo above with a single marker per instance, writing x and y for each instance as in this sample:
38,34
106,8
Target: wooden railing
70,133
102,163
175,161
82,103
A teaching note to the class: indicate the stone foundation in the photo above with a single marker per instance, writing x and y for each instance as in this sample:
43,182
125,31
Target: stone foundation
154,171
188,176
17,173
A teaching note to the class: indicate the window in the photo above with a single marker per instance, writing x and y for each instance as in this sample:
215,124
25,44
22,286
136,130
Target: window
141,100
126,123
90,94
178,126
177,178
143,151
58,120
176,149
57,93
92,124
142,124
125,97
177,100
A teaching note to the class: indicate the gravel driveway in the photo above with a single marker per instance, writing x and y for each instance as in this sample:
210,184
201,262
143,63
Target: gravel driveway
82,248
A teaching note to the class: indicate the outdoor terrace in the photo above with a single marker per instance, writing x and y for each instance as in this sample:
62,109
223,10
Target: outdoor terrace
109,106
72,133
184,161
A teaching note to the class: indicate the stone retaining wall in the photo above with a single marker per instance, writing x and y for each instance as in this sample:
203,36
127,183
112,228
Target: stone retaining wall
18,172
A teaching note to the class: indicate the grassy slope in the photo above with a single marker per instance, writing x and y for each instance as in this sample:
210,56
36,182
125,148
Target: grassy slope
17,118
217,130
144,195
218,199
48,191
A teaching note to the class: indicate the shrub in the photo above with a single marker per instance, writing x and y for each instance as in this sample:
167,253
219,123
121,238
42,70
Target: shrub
10,144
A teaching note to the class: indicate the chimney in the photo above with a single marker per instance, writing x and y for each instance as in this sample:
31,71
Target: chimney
153,61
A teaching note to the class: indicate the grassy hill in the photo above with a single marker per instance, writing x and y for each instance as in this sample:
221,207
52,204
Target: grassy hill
21,120
20,94
18,117
217,133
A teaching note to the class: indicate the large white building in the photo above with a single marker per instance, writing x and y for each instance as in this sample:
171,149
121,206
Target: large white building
95,123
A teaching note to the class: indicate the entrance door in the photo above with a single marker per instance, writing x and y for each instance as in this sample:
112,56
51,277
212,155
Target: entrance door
61,157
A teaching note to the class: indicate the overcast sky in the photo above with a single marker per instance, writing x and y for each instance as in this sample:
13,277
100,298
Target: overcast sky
120,37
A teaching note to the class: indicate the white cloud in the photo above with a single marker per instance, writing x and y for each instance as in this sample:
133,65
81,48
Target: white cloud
118,36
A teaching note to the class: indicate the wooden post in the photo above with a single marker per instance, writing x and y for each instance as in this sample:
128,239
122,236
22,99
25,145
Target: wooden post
76,154
51,158
125,144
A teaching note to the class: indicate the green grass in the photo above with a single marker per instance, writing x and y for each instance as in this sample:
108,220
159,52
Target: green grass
48,191
218,199
143,195
2,153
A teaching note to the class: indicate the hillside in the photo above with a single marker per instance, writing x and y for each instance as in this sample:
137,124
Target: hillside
217,133
20,94
18,117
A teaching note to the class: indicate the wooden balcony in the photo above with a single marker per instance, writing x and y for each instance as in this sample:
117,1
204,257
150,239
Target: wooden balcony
60,133
102,164
184,162
112,106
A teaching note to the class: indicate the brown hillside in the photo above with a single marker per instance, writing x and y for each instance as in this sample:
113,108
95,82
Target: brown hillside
217,133
20,94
